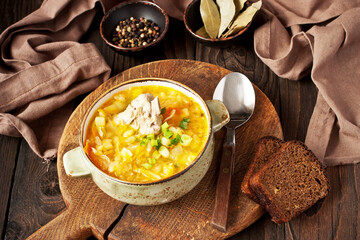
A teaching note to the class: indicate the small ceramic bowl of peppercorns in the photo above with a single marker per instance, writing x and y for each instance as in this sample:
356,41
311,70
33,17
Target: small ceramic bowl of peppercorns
134,26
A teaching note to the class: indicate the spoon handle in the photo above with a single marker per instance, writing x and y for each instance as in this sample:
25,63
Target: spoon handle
223,187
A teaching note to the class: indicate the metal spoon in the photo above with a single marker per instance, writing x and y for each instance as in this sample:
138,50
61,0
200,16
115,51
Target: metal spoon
237,93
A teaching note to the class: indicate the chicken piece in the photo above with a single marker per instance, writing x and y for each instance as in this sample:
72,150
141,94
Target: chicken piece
143,114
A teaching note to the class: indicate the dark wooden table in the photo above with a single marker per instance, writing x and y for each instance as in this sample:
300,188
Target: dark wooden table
29,190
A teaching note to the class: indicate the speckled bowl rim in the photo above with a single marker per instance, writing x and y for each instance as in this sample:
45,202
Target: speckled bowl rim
134,49
139,80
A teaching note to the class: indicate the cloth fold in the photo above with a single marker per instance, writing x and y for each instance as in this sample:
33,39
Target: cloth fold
43,67
326,44
295,38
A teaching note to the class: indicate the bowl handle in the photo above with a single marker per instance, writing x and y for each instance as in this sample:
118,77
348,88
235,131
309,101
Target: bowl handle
74,163
219,114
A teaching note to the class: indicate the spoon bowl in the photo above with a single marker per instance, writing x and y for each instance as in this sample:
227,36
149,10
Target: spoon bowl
238,95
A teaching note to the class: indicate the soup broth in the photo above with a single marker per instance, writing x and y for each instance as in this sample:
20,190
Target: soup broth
121,151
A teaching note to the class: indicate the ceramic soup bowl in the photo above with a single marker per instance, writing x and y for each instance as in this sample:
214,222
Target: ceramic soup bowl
77,163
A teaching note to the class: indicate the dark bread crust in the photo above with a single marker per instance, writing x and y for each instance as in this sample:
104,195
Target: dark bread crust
261,154
270,199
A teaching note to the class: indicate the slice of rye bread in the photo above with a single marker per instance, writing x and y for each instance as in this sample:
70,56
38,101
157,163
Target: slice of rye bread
290,182
265,147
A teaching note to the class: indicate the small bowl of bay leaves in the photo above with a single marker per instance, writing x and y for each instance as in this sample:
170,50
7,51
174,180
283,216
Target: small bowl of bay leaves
219,22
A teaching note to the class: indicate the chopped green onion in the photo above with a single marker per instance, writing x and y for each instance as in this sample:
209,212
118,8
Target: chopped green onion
184,123
152,160
186,140
163,110
153,142
147,165
158,144
176,140
150,136
168,134
144,142
164,127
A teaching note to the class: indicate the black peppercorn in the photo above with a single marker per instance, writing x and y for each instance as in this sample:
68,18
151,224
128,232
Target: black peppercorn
133,32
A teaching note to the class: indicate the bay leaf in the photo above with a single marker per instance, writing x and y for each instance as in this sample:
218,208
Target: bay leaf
202,32
243,19
227,13
211,17
239,5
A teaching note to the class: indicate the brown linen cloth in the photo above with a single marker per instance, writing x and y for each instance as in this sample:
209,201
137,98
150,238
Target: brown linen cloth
322,37
43,67
296,38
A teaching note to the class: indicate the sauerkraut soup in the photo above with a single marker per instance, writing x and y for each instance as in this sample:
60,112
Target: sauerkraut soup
146,133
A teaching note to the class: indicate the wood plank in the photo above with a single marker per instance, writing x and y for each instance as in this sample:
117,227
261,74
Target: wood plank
35,198
11,11
8,154
14,10
298,99
342,205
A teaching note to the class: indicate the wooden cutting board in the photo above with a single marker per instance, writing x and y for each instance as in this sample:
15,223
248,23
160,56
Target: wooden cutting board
91,212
